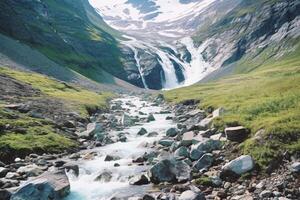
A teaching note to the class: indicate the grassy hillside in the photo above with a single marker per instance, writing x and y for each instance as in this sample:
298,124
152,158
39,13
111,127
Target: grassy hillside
65,33
266,98
49,102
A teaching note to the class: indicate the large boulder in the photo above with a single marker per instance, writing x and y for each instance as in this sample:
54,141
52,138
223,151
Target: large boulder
236,134
150,118
50,185
238,166
201,148
170,170
191,195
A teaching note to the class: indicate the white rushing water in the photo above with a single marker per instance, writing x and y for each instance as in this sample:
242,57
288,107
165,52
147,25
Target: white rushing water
85,188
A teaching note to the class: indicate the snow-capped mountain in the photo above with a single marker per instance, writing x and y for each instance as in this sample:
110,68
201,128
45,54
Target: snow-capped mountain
153,18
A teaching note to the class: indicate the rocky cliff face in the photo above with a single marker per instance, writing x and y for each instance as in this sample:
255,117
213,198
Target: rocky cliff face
250,34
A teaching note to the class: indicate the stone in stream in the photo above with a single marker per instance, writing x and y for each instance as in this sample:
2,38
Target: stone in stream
191,195
166,142
50,185
142,131
105,176
170,170
237,166
236,134
152,134
172,132
126,120
204,162
3,172
139,180
72,167
111,158
150,118
4,195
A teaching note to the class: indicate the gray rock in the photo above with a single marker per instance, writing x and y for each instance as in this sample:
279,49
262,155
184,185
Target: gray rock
105,176
142,131
170,170
172,132
148,197
295,167
3,172
4,194
191,195
152,134
72,167
240,165
182,152
12,175
204,162
150,118
91,130
126,120
139,180
50,185
30,170
236,134
111,158
265,194
201,148
165,142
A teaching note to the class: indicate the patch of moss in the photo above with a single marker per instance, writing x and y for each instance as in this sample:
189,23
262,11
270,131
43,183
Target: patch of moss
204,181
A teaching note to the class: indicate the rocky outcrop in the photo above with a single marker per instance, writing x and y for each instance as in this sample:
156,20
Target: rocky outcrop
47,186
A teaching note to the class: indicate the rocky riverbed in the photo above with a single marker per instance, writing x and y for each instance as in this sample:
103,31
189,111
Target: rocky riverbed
143,148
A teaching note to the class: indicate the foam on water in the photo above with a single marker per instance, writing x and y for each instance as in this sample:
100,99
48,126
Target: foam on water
85,188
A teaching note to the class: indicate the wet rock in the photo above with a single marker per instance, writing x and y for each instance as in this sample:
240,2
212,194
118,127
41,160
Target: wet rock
111,158
4,195
150,118
30,170
170,171
295,167
148,197
72,167
50,185
238,166
2,164
166,142
191,195
142,131
105,176
182,152
3,172
139,180
204,162
152,134
12,175
236,134
172,132
126,120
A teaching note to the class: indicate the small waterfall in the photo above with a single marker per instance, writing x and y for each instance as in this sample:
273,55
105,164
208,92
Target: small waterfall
137,60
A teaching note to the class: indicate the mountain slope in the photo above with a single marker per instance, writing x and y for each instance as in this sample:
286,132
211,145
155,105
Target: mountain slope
69,33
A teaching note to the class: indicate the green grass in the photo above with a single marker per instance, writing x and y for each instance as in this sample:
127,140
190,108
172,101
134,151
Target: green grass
27,135
267,98
76,97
